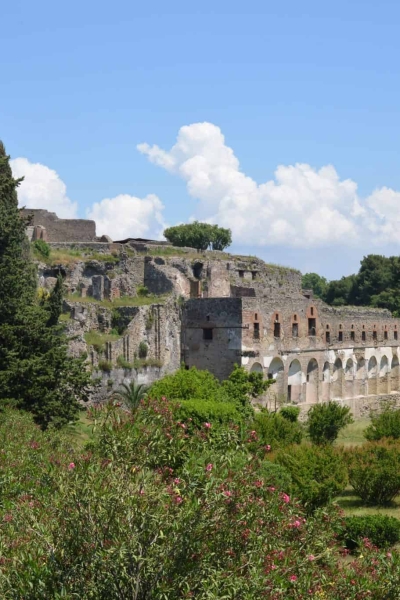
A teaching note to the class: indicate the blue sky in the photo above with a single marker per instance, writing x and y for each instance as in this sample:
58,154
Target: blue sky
311,83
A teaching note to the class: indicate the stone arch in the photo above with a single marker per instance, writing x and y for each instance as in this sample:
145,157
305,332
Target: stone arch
312,381
383,375
349,379
295,380
359,383
275,371
256,368
326,381
337,379
394,374
372,376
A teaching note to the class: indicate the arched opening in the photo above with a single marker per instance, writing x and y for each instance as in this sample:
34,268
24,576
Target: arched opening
394,374
372,376
256,368
349,379
294,382
275,371
312,381
383,376
337,379
359,383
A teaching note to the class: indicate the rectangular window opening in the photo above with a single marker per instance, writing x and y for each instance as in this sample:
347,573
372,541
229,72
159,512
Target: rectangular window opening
385,335
395,335
374,335
277,330
352,336
363,336
340,336
328,337
289,393
256,331
295,330
241,273
312,327
207,334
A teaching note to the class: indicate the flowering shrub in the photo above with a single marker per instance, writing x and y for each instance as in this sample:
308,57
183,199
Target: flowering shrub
374,471
123,523
318,473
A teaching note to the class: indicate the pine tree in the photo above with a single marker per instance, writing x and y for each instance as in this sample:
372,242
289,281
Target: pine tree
36,372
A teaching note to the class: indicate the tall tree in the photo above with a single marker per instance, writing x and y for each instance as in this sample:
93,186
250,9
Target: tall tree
199,235
36,372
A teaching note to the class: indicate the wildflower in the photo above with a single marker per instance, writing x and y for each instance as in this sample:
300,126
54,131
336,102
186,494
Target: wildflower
285,498
209,467
71,466
311,557
293,578
271,488
227,493
178,500
207,425
296,524
177,480
389,554
268,448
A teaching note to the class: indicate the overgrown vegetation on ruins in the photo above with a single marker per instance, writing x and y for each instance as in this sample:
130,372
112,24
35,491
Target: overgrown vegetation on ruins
36,372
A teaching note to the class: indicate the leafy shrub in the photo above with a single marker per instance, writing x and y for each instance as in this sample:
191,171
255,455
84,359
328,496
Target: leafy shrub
42,248
374,471
326,420
105,365
384,425
318,473
201,411
123,363
142,290
291,413
143,349
381,530
273,428
186,384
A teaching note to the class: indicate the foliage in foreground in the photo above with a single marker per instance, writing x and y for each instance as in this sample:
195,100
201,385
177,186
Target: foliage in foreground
151,512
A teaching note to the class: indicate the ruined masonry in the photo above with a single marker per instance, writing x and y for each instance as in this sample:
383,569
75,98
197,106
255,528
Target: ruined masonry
213,310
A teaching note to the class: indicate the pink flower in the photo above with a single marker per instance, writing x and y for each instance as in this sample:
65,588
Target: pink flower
227,493
285,498
311,557
271,488
389,554
177,480
207,425
71,466
178,500
209,467
268,448
293,578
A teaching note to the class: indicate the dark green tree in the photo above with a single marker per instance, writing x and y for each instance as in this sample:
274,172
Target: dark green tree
55,302
316,283
36,372
199,235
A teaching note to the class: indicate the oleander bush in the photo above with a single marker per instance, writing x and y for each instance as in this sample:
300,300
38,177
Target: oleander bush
374,471
151,510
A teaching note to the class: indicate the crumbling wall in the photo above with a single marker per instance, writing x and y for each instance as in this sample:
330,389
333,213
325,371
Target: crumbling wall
60,230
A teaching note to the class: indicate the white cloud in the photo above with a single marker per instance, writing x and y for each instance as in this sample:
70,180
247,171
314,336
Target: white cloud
302,206
42,188
127,216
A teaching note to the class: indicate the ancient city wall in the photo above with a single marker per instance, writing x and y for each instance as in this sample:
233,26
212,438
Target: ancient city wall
61,230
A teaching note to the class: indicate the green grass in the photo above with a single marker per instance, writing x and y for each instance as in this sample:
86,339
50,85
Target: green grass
352,435
98,340
71,256
117,302
353,505
64,317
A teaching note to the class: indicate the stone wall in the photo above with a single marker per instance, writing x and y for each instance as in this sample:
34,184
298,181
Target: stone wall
61,230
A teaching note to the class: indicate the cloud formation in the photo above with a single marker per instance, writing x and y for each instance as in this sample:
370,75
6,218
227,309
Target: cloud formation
302,206
127,216
42,188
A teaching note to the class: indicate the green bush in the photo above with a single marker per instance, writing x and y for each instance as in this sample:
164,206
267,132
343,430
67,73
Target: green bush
326,420
143,349
374,471
385,425
186,384
201,411
274,429
291,413
42,248
381,530
318,473
105,365
142,290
